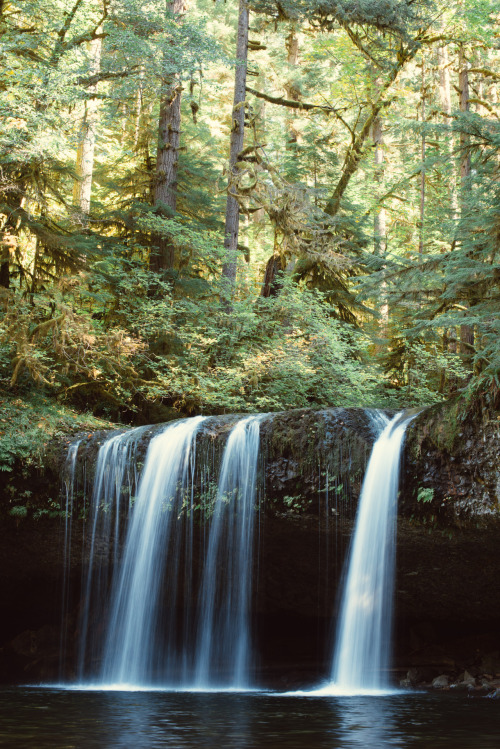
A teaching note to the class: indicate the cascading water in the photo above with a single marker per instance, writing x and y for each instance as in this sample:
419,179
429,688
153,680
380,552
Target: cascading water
223,651
141,574
140,644
114,477
68,497
362,651
154,616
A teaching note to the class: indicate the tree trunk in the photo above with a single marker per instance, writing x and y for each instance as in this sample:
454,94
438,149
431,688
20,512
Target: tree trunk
449,339
466,331
138,108
82,187
8,243
463,84
422,172
9,239
167,157
445,97
379,220
292,93
272,284
236,146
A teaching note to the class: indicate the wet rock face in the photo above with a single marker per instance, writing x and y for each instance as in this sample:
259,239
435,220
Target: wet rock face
452,467
315,458
311,468
448,613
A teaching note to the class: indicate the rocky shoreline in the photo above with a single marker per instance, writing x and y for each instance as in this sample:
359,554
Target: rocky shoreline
482,685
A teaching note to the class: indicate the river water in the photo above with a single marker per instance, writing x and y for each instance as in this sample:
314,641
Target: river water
64,719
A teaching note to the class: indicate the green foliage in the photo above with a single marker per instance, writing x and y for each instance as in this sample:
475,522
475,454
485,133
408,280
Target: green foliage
82,316
296,503
460,284
18,512
28,424
425,495
267,355
417,368
384,15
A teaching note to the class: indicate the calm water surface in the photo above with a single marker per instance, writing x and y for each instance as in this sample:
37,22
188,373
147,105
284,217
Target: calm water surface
57,719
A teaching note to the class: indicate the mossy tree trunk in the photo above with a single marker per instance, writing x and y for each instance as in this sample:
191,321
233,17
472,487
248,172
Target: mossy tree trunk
232,221
167,159
82,187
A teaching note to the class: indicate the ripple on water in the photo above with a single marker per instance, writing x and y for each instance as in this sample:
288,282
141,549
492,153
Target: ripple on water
58,719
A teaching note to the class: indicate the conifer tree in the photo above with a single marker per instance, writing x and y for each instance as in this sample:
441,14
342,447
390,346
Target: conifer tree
232,222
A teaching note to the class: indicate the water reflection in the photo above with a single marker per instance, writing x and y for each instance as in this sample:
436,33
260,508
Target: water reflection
56,719
368,722
185,721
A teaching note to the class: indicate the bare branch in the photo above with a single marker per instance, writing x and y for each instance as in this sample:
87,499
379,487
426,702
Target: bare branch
301,105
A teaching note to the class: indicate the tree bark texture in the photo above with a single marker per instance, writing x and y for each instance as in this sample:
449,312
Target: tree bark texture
138,108
5,250
293,94
445,97
379,220
271,285
82,187
236,146
449,337
463,84
423,154
8,239
167,159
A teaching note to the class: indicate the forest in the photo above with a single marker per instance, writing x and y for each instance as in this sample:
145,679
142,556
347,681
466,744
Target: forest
211,207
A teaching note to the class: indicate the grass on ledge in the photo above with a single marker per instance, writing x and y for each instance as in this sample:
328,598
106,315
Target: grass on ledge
29,422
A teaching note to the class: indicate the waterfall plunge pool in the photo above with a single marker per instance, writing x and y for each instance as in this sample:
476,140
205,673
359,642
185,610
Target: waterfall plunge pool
45,718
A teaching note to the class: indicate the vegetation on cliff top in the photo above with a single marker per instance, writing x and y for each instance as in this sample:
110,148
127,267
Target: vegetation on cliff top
28,424
358,260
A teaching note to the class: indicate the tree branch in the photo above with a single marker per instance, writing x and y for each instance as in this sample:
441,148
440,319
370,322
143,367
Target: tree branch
93,80
297,104
355,150
62,46
487,73
355,39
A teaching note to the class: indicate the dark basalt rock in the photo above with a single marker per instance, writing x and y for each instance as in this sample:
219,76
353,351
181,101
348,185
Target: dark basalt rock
315,457
448,566
452,469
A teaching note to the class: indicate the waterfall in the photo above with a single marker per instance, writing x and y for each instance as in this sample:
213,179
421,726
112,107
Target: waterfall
68,498
114,478
166,598
362,651
140,643
223,651
148,619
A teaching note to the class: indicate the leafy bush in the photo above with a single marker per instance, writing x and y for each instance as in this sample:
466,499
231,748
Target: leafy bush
124,347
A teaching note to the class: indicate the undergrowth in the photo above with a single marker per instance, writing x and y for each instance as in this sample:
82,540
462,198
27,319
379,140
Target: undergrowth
27,424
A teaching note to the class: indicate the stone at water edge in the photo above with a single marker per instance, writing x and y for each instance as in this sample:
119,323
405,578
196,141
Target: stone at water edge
441,682
465,681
